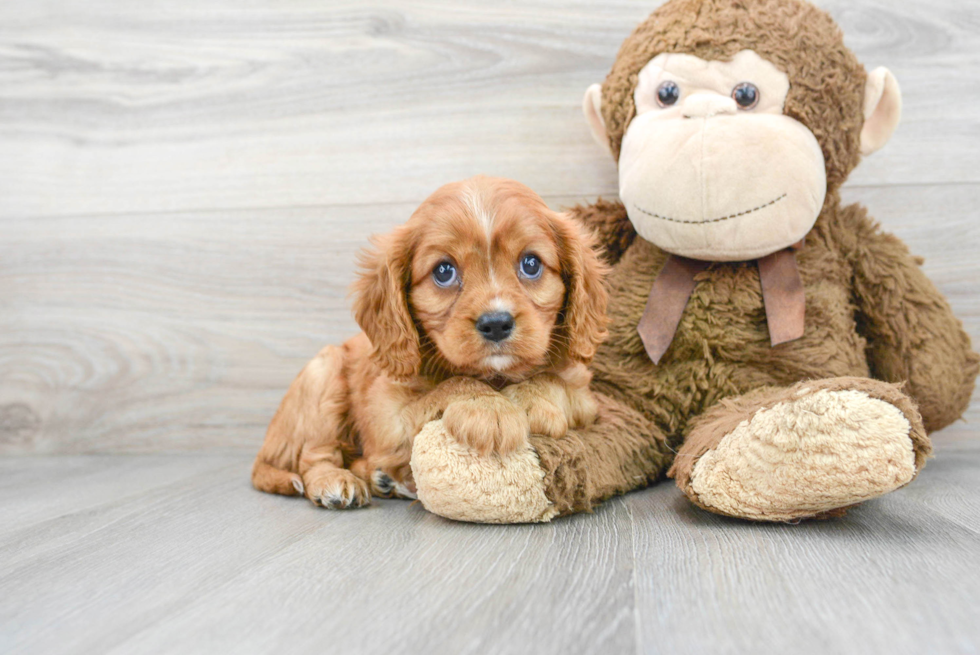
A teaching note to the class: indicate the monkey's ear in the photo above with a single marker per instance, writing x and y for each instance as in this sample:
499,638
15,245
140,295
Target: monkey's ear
882,109
592,108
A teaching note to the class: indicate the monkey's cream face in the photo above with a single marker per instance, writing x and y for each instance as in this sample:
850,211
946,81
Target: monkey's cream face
710,168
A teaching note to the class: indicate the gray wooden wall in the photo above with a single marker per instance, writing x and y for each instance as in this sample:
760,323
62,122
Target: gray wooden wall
184,183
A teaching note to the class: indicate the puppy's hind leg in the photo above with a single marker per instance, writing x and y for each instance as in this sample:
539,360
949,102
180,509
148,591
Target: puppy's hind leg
272,480
303,451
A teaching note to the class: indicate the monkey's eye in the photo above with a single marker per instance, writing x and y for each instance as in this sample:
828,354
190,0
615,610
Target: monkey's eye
444,274
746,95
668,93
531,266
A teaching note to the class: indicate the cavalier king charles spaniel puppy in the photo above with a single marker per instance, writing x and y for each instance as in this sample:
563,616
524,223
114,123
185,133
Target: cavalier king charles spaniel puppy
484,310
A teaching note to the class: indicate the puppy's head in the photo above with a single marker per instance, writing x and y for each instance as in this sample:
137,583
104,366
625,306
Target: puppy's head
483,280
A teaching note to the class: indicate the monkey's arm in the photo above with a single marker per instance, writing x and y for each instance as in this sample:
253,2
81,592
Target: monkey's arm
621,451
611,225
912,334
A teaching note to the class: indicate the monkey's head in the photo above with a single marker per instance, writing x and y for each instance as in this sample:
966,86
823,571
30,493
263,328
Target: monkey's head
732,120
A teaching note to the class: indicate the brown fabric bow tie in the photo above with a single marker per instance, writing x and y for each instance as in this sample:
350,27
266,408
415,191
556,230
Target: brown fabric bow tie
782,293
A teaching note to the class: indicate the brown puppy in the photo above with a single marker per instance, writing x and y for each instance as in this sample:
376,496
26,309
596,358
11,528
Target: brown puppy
483,309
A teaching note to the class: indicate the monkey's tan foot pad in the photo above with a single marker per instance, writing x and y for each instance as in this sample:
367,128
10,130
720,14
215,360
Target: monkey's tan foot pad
455,482
803,452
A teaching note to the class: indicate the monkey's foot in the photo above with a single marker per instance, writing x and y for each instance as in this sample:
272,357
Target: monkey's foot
454,481
808,451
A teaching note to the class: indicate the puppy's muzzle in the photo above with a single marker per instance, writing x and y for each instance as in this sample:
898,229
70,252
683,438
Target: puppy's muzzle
495,326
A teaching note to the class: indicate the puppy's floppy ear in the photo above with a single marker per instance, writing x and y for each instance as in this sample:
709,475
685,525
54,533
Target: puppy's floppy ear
584,315
381,304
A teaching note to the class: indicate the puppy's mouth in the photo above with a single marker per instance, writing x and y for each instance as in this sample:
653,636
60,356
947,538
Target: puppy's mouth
501,370
499,363
506,365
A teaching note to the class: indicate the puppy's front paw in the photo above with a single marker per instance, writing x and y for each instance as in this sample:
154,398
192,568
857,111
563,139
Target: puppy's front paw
544,417
551,407
584,409
336,488
487,424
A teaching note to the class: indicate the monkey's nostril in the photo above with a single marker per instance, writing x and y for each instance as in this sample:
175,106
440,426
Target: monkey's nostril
495,326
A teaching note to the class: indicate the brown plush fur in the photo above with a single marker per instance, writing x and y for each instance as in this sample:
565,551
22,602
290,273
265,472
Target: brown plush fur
345,428
870,311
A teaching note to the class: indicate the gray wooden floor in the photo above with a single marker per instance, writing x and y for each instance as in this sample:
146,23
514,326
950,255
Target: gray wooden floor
176,554
183,187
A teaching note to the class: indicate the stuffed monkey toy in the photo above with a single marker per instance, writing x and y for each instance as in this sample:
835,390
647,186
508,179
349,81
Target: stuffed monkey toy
774,352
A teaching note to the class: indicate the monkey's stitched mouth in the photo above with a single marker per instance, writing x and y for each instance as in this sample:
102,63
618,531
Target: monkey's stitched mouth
710,220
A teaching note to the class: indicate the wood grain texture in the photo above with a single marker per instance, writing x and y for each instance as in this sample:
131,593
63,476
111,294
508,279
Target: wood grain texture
165,554
189,104
183,185
205,564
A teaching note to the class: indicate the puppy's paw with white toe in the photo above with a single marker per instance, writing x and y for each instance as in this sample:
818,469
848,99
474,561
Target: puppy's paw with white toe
337,489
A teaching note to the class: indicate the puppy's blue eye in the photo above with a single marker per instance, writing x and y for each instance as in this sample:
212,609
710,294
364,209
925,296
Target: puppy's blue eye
531,267
444,274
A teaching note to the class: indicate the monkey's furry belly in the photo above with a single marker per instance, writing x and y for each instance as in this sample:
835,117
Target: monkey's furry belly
722,346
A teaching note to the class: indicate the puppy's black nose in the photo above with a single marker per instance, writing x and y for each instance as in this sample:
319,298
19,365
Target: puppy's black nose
495,326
